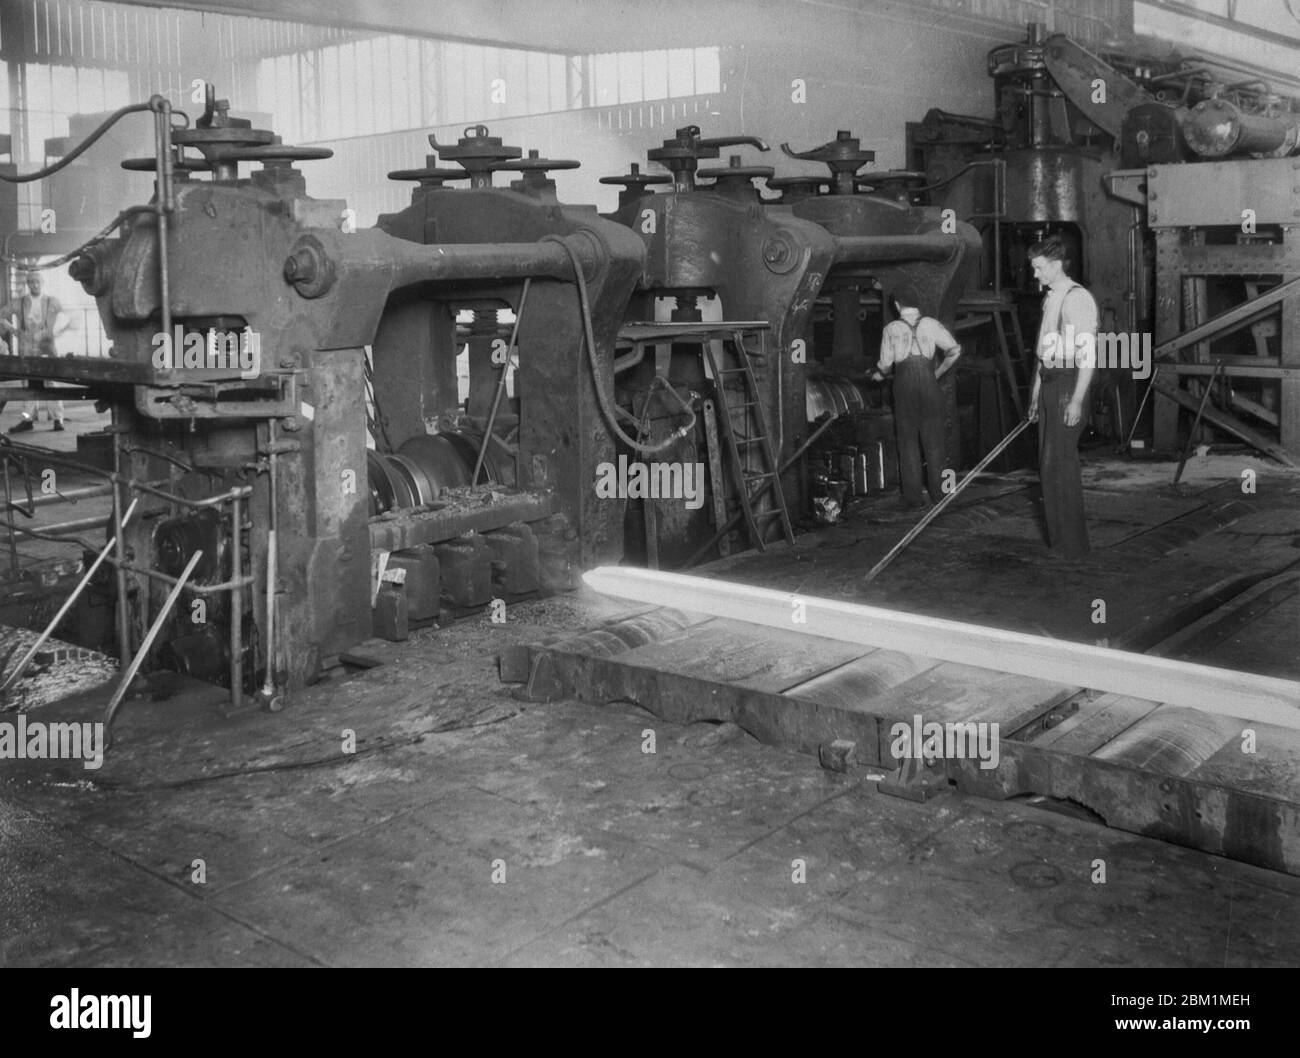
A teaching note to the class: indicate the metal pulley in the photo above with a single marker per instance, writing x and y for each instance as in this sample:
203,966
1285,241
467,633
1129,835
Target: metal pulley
843,155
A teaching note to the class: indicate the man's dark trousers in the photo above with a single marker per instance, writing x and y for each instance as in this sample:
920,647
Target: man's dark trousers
1058,463
918,418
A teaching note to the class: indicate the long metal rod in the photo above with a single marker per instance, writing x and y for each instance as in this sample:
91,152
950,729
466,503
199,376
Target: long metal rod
119,549
501,385
150,636
1137,415
934,511
236,604
73,495
18,671
116,477
76,525
1196,422
268,684
163,197
9,519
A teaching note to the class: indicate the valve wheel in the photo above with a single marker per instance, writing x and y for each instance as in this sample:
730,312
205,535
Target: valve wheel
433,174
533,165
636,178
181,165
223,135
271,152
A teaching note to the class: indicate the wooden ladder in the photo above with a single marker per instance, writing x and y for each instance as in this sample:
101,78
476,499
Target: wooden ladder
735,419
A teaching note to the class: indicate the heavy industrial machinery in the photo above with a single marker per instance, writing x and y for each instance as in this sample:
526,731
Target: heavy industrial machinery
767,262
1061,157
882,243
240,310
320,432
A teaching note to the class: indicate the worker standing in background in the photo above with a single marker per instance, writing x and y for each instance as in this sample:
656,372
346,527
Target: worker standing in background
907,346
1067,341
31,324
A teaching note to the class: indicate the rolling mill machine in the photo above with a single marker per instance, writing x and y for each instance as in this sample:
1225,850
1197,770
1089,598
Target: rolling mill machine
742,278
299,461
240,310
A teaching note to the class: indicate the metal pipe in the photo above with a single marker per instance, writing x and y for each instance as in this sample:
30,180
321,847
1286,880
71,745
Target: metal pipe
119,549
268,683
117,477
9,518
134,666
1217,127
17,673
163,200
236,603
76,525
501,385
198,589
73,495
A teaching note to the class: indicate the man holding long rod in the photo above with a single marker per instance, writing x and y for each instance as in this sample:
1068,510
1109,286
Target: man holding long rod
1067,360
1066,363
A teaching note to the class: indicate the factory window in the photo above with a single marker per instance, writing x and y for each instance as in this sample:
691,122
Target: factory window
391,83
619,78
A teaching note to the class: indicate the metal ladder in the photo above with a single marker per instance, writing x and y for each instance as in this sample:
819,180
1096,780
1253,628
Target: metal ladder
735,419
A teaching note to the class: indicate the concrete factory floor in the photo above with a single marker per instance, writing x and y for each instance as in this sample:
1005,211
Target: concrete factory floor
472,827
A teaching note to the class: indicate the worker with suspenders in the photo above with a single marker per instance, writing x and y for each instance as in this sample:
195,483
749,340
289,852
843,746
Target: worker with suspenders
1066,363
907,347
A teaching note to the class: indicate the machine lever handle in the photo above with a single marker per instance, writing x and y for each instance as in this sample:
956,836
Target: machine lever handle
735,141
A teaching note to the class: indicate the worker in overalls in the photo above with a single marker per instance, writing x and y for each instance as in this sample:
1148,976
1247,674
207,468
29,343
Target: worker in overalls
32,322
907,348
1067,343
